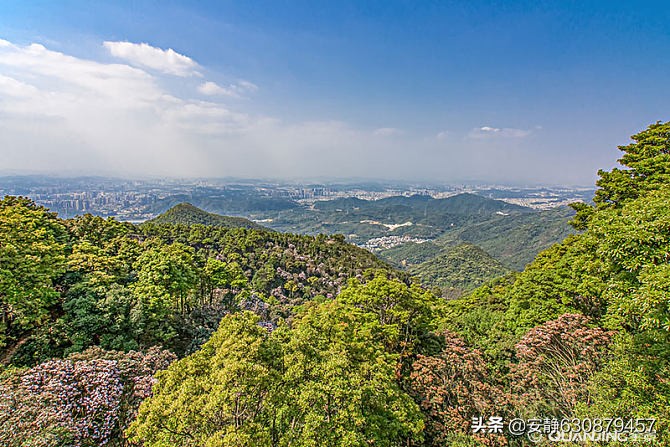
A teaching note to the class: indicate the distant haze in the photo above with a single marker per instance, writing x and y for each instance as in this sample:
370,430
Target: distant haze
433,93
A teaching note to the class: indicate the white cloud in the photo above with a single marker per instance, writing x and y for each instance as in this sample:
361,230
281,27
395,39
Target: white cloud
61,113
236,90
387,132
489,129
57,78
142,54
12,87
64,114
212,89
247,86
504,132
443,135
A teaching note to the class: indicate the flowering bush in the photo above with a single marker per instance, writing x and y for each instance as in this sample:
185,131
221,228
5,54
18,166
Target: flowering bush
452,388
556,360
87,399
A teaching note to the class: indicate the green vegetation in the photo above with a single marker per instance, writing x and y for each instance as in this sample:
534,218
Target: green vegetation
360,220
70,284
326,381
465,257
409,254
516,240
458,269
32,257
231,201
290,340
185,213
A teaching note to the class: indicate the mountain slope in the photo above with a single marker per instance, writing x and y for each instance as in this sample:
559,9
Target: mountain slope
416,216
458,269
409,254
185,213
515,240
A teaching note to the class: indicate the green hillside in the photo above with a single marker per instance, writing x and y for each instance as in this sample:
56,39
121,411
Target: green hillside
515,240
465,258
458,269
417,216
409,254
124,286
185,213
230,201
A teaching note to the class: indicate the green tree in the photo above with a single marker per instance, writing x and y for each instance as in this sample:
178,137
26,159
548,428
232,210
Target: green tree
403,311
645,167
218,396
166,284
634,384
343,383
32,256
328,381
97,230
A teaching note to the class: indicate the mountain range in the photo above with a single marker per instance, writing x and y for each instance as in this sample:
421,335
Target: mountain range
454,244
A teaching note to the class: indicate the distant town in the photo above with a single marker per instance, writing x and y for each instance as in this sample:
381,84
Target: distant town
140,200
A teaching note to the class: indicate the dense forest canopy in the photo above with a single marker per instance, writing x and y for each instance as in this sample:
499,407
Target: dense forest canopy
176,334
121,286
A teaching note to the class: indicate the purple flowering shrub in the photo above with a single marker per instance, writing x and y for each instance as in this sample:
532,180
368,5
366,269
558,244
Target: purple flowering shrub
85,400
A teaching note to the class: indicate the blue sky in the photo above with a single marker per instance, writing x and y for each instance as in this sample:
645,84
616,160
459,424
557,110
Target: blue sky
516,92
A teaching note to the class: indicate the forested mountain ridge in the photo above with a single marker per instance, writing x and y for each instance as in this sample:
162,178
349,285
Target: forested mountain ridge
123,286
233,202
503,243
185,213
516,240
364,357
459,204
418,216
462,260
509,235
417,228
457,269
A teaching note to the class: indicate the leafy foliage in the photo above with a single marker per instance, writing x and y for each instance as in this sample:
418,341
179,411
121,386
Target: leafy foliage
328,380
218,395
556,361
459,269
32,257
125,287
646,167
452,387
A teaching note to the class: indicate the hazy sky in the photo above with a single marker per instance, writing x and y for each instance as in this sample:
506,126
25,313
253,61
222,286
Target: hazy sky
505,91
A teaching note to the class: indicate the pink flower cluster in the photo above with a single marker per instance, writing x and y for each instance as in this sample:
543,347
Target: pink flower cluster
86,399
